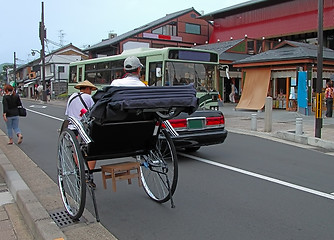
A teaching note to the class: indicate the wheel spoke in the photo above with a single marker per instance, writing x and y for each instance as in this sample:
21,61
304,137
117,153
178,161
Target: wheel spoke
71,174
159,169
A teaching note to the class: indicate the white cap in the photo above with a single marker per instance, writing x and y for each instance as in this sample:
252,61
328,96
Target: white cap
131,63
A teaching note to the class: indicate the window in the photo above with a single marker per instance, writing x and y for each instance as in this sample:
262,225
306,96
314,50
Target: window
155,74
201,75
169,29
250,47
193,28
192,55
73,74
101,73
61,69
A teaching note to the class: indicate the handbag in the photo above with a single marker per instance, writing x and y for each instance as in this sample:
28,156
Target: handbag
22,111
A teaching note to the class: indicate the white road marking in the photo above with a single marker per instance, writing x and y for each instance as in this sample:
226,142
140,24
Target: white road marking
256,175
37,106
45,115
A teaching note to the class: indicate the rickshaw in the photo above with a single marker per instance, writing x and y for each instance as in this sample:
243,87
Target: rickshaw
124,123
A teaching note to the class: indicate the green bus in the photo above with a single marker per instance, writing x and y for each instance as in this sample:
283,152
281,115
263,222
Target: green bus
163,67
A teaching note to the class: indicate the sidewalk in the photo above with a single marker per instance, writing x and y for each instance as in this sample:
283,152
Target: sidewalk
25,207
283,126
12,224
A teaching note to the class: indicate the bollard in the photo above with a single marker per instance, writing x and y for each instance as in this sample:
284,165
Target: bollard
268,119
299,126
254,122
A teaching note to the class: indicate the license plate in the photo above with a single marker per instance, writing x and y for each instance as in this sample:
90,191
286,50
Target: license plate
196,123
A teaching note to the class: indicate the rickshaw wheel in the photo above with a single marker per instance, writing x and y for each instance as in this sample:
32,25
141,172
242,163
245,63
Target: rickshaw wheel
71,174
159,169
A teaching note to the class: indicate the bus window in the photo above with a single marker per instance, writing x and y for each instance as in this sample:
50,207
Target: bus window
142,76
73,74
201,75
155,79
103,73
90,76
116,70
80,74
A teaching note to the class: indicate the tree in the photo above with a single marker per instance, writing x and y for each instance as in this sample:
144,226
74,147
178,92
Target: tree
3,71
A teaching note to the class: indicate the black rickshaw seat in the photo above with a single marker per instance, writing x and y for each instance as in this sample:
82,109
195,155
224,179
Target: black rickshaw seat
124,119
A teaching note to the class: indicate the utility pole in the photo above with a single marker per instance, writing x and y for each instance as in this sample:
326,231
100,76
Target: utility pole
318,114
42,36
14,69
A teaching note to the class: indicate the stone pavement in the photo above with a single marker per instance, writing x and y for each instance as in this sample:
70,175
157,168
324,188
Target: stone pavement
12,224
23,205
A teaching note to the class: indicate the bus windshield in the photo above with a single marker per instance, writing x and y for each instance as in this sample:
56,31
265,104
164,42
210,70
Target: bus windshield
201,75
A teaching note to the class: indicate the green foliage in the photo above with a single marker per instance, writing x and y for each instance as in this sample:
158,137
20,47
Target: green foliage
3,69
5,66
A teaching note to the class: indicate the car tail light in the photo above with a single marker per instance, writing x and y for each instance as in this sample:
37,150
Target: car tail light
215,121
178,123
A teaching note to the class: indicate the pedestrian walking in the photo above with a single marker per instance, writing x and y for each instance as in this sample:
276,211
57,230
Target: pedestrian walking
329,94
232,94
10,102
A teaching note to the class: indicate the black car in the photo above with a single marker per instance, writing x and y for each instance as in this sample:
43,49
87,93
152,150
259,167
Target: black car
202,128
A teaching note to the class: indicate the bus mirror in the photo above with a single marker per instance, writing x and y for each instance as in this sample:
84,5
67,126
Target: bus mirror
158,72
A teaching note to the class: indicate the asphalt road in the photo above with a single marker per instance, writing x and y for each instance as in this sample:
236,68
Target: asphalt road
246,188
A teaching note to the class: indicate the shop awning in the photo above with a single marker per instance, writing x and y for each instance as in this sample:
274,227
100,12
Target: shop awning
255,89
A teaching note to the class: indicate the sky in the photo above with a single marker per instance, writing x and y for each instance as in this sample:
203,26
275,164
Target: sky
81,22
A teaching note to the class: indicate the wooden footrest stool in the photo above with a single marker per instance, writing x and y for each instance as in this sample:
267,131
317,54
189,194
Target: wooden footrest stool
120,171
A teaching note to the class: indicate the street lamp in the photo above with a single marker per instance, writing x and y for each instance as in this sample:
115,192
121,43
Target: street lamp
33,52
15,69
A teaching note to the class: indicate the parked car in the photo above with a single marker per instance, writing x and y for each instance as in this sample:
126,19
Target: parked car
202,128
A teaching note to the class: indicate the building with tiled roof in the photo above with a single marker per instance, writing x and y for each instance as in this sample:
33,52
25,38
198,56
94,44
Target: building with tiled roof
179,29
277,72
56,71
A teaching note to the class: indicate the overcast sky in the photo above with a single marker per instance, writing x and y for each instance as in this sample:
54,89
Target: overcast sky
81,22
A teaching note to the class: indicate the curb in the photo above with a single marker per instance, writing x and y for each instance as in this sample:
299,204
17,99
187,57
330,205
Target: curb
289,136
35,216
313,141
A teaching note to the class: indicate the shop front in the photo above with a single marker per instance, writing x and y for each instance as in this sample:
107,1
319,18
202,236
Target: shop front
288,74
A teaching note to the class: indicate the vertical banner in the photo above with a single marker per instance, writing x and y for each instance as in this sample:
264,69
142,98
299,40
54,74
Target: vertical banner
302,93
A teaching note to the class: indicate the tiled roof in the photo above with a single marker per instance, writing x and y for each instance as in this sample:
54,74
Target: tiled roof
289,50
138,30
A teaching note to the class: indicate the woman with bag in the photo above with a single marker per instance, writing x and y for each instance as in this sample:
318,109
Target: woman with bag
11,102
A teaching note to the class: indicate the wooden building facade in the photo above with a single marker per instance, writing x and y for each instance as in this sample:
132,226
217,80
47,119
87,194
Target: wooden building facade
180,29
